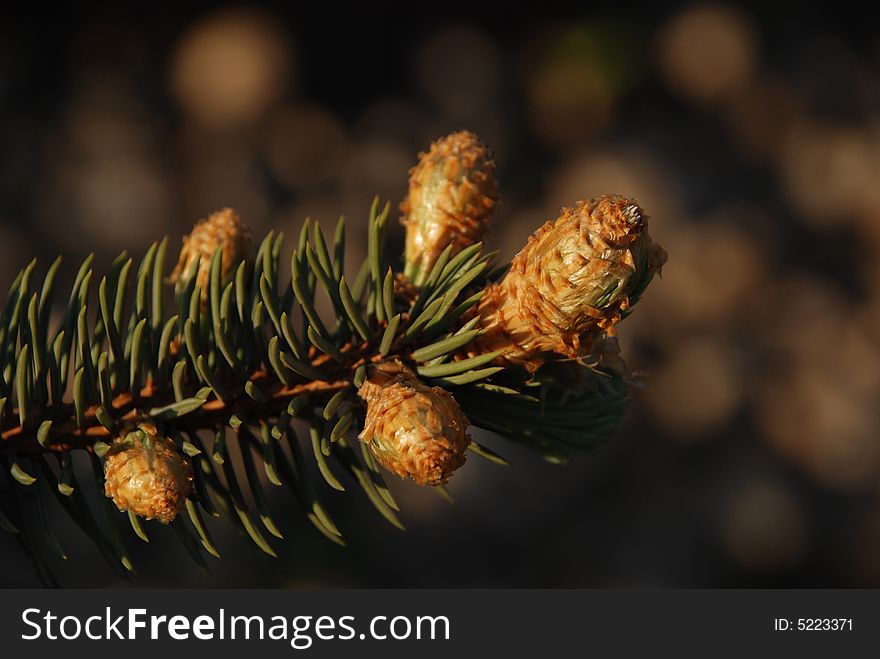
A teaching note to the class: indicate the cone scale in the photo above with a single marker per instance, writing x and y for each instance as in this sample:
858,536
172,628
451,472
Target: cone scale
570,284
413,430
452,195
223,229
145,475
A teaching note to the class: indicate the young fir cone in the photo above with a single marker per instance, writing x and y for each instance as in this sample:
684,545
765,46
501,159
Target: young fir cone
415,431
145,475
452,193
570,284
224,229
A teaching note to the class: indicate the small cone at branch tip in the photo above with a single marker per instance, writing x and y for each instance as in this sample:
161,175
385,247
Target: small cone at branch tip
145,475
224,229
452,194
414,430
571,284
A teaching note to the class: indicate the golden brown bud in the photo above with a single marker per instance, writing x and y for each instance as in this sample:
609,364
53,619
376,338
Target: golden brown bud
221,229
145,475
571,283
415,431
452,194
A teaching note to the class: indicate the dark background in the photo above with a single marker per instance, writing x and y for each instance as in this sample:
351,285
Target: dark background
751,136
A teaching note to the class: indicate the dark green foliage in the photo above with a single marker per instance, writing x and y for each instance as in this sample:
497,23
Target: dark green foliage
243,379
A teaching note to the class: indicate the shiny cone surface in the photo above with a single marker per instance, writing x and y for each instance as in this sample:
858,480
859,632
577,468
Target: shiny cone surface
221,229
452,194
145,475
570,284
414,430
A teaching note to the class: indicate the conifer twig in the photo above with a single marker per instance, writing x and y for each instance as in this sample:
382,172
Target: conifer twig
161,378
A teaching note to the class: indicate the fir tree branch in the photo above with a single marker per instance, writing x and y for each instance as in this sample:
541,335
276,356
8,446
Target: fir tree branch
159,379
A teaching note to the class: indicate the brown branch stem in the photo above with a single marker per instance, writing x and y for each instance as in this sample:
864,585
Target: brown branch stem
65,435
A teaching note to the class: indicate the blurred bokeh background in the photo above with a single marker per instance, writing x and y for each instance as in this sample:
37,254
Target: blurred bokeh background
752,138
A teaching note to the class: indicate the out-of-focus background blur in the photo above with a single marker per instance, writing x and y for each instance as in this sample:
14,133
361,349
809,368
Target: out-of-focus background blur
751,137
